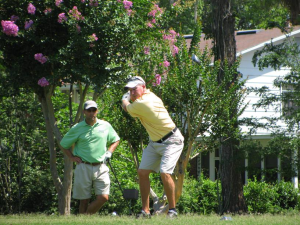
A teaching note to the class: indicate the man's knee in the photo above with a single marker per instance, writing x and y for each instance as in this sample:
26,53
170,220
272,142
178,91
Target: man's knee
143,173
102,198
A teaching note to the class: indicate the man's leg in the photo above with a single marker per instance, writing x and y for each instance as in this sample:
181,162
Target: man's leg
83,205
169,188
144,188
97,204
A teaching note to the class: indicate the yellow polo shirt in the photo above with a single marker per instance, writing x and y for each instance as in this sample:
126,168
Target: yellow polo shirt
153,115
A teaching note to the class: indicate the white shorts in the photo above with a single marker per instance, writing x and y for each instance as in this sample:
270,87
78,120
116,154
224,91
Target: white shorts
87,177
162,157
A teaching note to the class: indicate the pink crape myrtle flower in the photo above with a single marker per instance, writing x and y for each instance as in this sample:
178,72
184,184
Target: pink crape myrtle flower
94,3
41,58
62,17
14,18
28,24
153,12
78,28
76,14
31,9
127,4
129,12
175,50
94,37
149,25
9,28
166,63
47,11
157,80
146,50
58,2
43,82
83,1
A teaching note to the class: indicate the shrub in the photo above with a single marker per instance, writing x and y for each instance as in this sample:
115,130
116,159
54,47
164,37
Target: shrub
262,197
198,196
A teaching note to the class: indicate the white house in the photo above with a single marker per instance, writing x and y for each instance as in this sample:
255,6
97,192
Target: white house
247,43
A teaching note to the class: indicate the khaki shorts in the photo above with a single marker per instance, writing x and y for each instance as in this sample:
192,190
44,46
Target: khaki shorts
162,157
87,177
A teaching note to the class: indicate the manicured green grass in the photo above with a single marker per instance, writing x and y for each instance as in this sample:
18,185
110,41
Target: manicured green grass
287,219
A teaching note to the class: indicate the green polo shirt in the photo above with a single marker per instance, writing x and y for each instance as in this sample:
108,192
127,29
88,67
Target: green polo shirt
90,141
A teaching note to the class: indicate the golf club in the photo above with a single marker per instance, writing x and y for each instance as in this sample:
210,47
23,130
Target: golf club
130,193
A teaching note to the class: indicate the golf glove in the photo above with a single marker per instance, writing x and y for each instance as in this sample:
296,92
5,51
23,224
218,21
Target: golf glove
107,156
126,96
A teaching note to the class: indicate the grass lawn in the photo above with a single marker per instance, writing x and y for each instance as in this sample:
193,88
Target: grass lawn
286,219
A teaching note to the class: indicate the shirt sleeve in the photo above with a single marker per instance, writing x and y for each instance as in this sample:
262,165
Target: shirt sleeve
112,135
69,139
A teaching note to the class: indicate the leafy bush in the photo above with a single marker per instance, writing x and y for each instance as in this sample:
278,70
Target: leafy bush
262,197
198,196
288,195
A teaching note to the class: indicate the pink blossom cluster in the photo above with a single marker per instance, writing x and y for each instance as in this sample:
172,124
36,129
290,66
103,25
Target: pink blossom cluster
41,58
94,3
127,4
175,50
43,82
166,63
153,13
83,1
157,80
149,24
62,17
94,37
78,28
146,50
171,36
31,9
76,14
9,28
14,18
58,2
47,11
28,24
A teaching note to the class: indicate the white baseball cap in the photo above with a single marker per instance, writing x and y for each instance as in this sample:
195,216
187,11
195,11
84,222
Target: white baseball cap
90,104
133,81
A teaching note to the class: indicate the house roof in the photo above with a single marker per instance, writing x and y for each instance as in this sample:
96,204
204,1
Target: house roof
249,40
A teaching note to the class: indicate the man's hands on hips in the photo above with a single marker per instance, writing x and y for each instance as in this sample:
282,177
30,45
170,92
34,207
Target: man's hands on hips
107,156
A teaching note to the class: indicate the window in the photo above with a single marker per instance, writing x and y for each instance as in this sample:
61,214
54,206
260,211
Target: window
290,103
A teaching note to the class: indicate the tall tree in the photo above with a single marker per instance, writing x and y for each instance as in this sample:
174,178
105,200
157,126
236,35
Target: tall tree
84,43
222,26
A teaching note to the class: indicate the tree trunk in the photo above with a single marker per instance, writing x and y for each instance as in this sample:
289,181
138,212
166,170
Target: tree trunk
63,188
225,50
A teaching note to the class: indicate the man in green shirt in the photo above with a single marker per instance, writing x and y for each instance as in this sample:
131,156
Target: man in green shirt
91,138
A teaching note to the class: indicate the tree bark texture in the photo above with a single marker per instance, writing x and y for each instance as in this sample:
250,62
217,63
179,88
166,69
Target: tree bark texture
63,188
225,51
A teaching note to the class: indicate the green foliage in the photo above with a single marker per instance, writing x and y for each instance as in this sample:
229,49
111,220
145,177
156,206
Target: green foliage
258,14
278,56
199,196
262,197
24,173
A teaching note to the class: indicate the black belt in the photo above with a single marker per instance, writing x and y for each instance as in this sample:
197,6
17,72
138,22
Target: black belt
93,164
167,136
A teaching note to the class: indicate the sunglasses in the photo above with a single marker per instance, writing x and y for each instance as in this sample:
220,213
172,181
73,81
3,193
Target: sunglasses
91,110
